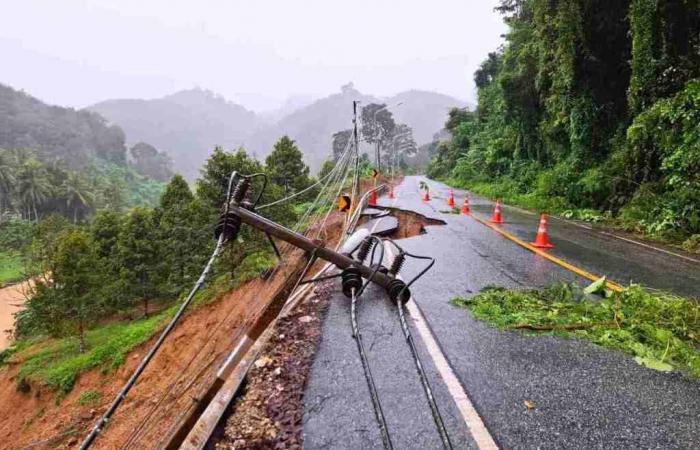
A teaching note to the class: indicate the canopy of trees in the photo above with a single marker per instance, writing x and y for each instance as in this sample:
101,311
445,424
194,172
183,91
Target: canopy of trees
394,141
591,104
124,263
31,189
77,138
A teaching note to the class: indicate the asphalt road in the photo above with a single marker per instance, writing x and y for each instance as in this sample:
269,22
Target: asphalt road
595,250
584,396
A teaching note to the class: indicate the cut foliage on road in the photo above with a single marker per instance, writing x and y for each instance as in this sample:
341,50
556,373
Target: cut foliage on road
660,330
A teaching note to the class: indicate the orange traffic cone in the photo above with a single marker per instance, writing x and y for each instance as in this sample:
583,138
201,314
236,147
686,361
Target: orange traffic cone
391,192
426,196
496,218
373,198
542,239
451,199
465,206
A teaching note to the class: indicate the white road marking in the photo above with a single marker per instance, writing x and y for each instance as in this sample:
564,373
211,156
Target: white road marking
477,428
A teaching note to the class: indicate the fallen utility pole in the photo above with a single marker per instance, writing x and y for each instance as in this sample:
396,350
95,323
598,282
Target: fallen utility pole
299,240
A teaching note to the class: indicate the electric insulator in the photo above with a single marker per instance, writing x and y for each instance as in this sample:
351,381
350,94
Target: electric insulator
397,263
398,288
351,279
229,225
365,248
241,190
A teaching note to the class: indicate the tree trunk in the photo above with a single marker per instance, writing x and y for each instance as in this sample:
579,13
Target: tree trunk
36,214
75,215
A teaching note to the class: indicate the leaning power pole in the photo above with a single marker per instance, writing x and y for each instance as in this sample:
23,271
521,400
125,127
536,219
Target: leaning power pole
356,184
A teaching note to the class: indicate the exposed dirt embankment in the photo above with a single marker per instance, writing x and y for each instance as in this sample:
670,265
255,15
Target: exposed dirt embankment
11,300
411,223
181,370
189,356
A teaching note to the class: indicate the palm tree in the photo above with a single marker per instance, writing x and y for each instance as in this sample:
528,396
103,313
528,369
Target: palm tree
7,179
33,186
77,194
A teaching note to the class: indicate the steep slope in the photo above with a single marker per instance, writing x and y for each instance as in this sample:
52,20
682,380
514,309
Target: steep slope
187,124
56,133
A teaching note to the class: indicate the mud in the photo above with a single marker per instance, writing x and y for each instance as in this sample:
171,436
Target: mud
183,368
11,300
410,223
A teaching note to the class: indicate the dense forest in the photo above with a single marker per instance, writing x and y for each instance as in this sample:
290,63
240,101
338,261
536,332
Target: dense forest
59,160
591,109
124,263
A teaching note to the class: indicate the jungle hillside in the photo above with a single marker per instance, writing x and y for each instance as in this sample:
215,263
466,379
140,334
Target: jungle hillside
591,110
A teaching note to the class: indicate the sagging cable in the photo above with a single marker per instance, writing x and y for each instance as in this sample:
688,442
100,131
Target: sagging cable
222,238
353,287
401,298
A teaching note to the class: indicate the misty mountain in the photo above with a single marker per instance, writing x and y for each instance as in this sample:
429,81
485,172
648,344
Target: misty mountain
75,137
313,126
187,125
426,112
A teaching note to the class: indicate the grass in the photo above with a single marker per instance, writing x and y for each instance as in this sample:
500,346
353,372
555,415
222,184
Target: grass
58,363
11,267
661,331
89,398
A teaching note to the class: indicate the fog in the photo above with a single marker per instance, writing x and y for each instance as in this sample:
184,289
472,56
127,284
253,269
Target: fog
259,53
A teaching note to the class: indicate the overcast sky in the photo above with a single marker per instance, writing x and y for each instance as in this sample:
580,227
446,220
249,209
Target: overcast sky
257,52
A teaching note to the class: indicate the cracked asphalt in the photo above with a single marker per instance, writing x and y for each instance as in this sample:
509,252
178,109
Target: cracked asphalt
584,397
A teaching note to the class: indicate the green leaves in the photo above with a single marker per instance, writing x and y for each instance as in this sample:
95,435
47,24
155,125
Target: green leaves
661,331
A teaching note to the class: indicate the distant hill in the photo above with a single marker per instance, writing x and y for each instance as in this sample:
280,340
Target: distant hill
75,137
312,126
187,125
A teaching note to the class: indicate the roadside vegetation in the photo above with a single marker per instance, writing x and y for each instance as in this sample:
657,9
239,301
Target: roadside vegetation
590,110
105,285
11,267
661,331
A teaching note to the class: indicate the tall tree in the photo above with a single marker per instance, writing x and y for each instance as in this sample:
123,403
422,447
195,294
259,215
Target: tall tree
286,167
7,179
77,194
139,258
185,238
341,139
75,280
67,301
213,182
33,187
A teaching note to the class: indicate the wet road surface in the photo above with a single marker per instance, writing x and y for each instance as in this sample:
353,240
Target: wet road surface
596,251
584,396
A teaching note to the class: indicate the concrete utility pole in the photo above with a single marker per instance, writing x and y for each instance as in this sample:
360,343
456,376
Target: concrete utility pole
356,184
